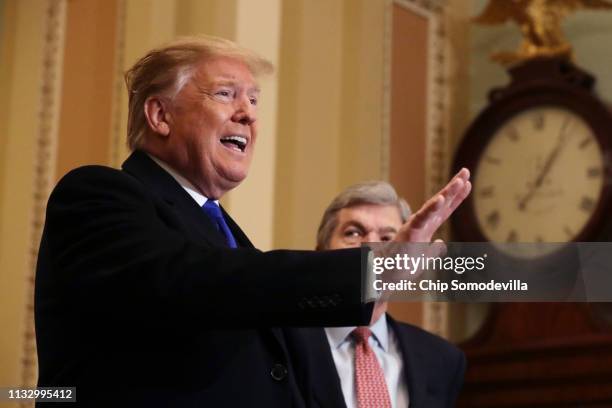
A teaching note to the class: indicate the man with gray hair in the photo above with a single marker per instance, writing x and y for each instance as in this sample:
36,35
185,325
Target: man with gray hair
148,294
388,363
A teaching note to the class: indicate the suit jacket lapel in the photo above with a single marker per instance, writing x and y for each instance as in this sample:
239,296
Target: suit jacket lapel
414,366
157,180
240,237
325,381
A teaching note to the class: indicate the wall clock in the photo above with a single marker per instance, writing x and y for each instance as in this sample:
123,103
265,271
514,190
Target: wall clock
540,156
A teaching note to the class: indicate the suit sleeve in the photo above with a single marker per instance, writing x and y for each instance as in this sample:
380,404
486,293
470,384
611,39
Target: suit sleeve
108,251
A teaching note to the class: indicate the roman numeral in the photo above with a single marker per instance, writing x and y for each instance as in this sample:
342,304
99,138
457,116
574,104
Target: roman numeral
487,192
587,204
493,219
585,143
512,236
512,134
593,172
538,121
492,160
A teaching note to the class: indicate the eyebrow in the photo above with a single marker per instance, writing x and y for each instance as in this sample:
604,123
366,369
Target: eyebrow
357,224
352,223
229,82
387,229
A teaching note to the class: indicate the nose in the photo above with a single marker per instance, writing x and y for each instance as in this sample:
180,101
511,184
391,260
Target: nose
245,112
371,236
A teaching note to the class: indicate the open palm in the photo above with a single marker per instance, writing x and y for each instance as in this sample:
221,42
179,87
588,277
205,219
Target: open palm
423,224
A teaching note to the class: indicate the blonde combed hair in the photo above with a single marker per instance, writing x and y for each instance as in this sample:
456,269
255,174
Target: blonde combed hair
165,70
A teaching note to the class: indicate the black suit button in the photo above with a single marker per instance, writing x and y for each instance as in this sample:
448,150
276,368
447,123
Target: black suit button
279,372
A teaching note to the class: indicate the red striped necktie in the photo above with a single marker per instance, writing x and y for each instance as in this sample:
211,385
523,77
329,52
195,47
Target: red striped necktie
370,381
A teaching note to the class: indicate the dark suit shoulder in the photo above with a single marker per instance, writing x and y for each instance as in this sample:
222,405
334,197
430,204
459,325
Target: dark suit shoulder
97,178
97,191
434,361
90,170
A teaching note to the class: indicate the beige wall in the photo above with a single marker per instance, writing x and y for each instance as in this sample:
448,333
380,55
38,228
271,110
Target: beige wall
408,119
330,111
309,117
409,100
258,27
87,84
7,29
20,83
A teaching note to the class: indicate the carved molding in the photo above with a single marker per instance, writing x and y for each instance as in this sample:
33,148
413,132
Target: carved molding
437,152
118,124
45,163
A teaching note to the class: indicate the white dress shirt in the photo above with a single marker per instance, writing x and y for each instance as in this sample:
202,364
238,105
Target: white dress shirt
386,347
186,184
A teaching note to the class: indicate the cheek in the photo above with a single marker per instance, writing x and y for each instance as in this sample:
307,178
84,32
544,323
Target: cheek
335,243
212,118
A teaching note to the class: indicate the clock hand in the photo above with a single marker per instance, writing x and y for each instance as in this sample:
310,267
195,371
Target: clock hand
552,157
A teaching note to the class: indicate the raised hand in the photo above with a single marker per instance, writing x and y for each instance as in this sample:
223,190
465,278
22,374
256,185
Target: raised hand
423,224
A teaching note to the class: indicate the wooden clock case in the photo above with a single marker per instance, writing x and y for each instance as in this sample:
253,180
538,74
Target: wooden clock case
539,354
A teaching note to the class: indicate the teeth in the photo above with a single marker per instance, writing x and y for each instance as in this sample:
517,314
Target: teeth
240,139
239,142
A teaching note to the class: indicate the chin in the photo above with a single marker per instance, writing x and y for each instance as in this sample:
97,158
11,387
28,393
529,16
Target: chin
236,173
233,179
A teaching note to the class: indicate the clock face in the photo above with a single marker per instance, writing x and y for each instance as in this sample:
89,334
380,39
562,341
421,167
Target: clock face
539,179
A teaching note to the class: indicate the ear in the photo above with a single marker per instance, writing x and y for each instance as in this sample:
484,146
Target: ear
155,109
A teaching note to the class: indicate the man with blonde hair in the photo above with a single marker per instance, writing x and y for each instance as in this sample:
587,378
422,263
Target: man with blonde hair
147,292
412,366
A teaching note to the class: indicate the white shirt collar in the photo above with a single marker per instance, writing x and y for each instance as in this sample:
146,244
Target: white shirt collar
186,184
338,335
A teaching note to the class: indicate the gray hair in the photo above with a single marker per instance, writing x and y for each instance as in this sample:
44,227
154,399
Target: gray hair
165,70
371,192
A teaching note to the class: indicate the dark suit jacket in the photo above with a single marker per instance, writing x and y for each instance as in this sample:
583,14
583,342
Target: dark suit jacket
433,367
139,302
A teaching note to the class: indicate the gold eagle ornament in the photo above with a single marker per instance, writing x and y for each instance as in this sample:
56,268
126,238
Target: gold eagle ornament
540,23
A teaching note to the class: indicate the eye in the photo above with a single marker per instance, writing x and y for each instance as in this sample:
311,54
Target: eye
253,101
352,233
224,94
389,236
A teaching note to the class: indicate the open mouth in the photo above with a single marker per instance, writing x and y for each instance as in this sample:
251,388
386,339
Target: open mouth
235,142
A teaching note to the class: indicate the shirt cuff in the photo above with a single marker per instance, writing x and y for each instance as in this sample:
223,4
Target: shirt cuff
369,294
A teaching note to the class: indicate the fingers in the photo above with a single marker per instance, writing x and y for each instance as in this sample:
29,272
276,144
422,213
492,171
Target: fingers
462,195
437,249
458,190
427,211
422,225
456,185
463,174
447,199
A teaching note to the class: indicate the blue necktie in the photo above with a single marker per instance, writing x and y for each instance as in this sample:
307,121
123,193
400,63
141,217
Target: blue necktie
214,213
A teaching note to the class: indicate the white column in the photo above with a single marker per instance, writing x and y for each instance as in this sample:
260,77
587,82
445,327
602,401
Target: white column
252,203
